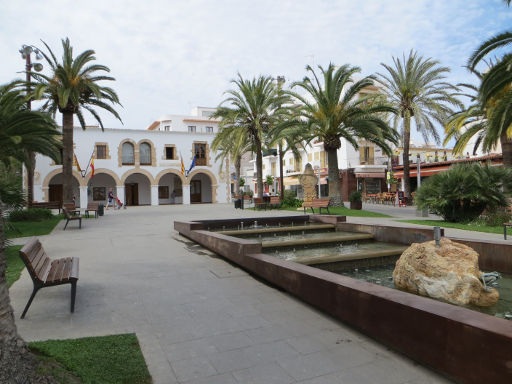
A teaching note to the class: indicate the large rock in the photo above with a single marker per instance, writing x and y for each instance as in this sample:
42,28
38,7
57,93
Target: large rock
449,272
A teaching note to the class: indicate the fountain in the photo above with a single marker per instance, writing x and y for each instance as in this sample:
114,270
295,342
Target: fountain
475,339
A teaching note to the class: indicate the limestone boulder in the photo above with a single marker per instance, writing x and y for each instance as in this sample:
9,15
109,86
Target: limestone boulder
449,273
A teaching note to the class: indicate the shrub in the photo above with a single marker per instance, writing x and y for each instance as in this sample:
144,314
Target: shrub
290,199
355,197
497,218
30,214
463,192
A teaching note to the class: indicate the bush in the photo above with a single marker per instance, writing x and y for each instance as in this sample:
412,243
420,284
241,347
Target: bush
31,214
290,199
463,192
497,218
355,197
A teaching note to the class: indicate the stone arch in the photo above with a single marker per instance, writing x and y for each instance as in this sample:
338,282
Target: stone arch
170,170
205,171
213,181
138,170
120,152
49,176
106,171
153,151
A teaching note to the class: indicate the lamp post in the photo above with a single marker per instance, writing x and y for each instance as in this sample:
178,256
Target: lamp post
26,52
418,170
317,169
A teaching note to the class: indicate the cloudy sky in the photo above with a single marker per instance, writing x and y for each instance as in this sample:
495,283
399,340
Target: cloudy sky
169,56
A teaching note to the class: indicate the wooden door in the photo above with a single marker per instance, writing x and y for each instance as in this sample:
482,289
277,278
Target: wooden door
55,193
132,193
195,191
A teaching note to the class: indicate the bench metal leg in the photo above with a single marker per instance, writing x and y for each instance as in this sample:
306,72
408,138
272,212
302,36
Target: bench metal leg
505,232
67,221
80,223
30,301
73,295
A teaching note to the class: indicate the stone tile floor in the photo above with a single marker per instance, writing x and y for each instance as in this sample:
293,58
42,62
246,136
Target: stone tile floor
199,319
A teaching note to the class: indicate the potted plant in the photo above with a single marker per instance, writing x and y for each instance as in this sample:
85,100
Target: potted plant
393,181
355,200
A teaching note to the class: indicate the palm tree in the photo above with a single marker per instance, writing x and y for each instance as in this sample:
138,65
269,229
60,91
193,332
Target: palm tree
495,93
254,107
21,131
336,111
73,86
416,88
231,143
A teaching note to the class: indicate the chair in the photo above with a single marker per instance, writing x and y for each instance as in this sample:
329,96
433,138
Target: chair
70,217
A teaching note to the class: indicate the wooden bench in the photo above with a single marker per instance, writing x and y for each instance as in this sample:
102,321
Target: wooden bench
71,208
274,202
92,207
70,217
47,205
46,272
316,203
259,202
505,225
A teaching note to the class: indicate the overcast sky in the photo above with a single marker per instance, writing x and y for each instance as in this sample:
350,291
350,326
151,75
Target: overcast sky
169,56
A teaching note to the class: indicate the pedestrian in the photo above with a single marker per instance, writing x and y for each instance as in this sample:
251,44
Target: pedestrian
111,199
173,197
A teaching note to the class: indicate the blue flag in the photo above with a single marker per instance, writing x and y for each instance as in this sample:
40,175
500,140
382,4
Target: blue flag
192,165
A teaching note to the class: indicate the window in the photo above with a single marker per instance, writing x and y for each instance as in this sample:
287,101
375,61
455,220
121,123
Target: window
317,155
128,154
192,128
209,129
322,159
310,157
200,153
273,169
145,154
206,113
101,151
366,155
169,153
61,155
167,128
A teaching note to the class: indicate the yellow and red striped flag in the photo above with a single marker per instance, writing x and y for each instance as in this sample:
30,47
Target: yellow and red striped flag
77,163
92,167
182,166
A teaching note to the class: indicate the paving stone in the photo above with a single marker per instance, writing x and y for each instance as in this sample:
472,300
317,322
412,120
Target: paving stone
230,341
226,378
189,349
191,369
266,373
308,366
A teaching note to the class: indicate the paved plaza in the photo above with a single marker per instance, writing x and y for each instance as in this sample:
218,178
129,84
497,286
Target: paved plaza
198,318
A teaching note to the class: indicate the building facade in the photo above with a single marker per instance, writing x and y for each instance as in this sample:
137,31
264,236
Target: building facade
142,167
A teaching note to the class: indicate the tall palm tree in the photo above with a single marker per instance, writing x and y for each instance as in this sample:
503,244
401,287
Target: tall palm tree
253,108
333,109
21,131
416,88
231,143
72,87
495,93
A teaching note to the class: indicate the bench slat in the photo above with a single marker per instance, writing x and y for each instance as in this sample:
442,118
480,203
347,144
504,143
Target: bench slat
54,270
42,270
38,259
66,270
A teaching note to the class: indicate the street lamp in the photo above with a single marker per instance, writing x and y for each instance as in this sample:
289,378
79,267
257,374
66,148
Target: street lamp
317,168
26,52
418,170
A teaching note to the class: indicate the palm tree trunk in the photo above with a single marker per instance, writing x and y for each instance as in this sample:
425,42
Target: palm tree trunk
238,164
259,167
67,156
405,156
30,167
281,176
17,364
506,149
335,199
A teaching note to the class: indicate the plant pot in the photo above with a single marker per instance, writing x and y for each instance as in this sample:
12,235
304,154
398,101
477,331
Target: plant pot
392,188
356,205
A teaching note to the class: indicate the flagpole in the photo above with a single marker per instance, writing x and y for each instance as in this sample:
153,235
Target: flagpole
89,163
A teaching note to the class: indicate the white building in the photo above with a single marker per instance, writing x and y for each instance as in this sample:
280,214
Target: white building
142,167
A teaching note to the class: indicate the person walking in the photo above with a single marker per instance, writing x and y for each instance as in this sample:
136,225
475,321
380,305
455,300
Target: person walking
111,199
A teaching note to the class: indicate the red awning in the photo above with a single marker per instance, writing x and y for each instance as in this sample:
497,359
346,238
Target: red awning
374,175
423,172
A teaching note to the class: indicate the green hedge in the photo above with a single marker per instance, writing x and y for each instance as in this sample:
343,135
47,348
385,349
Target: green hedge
31,214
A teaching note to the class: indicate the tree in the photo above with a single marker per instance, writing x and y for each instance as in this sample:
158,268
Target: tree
21,131
72,87
416,88
495,93
231,143
333,109
254,107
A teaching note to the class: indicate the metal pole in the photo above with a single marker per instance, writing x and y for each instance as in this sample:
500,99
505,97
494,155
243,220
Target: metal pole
319,189
418,171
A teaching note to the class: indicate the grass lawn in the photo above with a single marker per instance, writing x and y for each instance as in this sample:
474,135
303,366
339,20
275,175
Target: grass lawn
14,264
108,360
343,212
32,228
467,227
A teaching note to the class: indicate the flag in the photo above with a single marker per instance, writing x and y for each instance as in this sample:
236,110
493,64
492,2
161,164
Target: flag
192,165
92,167
182,166
77,163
